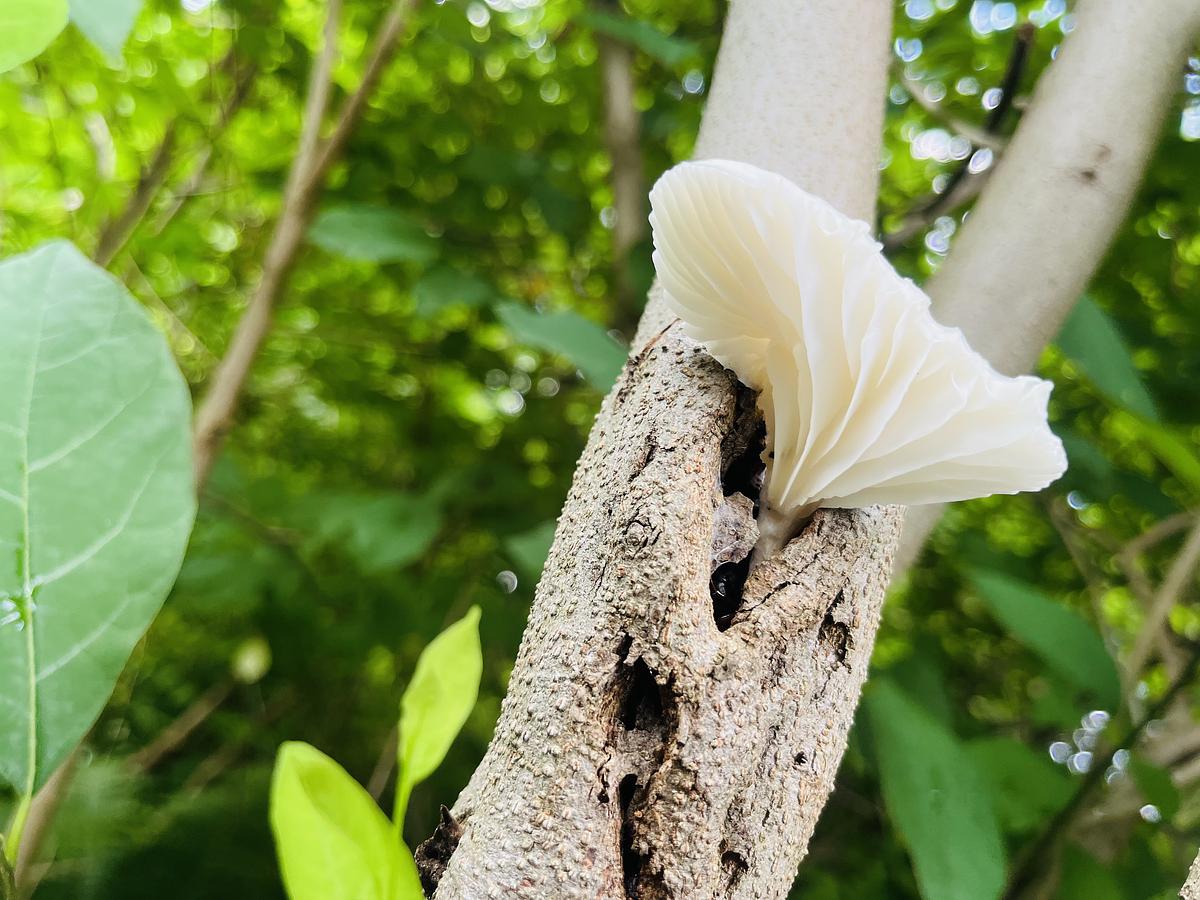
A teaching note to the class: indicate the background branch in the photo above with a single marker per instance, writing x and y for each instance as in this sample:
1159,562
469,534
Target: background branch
1049,211
963,185
312,162
117,231
622,137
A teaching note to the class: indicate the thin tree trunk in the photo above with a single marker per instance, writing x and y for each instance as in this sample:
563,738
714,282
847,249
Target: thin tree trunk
642,750
622,137
1061,189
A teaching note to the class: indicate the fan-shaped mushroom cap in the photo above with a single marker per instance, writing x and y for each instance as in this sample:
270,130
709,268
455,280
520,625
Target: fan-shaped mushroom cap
867,399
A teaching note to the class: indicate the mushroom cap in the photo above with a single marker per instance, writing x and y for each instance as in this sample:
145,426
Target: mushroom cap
867,399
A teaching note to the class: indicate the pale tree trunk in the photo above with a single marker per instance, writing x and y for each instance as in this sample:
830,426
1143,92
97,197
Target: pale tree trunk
642,750
1061,190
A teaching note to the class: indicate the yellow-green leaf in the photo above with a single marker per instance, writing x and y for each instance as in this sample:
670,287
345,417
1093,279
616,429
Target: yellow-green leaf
436,703
27,27
333,842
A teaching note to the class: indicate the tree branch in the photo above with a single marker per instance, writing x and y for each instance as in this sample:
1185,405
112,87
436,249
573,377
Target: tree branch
1179,576
1049,211
679,750
181,728
622,137
963,186
304,181
120,228
1030,859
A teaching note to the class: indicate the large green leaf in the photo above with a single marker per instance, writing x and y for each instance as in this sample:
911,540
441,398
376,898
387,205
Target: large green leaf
106,23
436,703
1084,878
580,340
27,27
446,286
1065,641
1026,785
96,497
372,234
666,48
939,802
380,532
333,842
1091,338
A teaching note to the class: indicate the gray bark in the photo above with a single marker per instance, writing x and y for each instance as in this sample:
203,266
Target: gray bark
642,750
1191,888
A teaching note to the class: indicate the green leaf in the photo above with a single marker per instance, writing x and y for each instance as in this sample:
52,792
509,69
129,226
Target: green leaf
96,497
1065,641
333,842
1084,877
529,549
379,531
1091,338
580,340
27,27
1175,452
936,798
666,48
436,703
1155,785
446,286
372,234
106,23
1026,786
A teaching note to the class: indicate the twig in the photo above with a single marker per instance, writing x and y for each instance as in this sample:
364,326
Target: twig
184,726
385,765
303,184
1156,534
41,814
352,110
1179,576
1029,859
118,230
177,324
1126,559
192,184
1065,526
963,185
976,134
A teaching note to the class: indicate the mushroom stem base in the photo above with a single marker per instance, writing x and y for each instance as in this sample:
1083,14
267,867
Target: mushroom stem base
776,528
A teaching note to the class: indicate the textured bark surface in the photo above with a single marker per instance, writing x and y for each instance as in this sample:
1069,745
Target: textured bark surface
655,743
1191,888
640,748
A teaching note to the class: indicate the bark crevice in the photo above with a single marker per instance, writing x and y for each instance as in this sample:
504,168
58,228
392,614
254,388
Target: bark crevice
647,748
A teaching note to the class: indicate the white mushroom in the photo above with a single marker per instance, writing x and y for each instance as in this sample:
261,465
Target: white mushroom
867,399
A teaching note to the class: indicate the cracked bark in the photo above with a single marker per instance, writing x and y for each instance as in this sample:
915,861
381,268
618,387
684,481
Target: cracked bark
646,748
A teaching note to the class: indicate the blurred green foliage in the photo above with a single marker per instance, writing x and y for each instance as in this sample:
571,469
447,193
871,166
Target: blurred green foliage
412,423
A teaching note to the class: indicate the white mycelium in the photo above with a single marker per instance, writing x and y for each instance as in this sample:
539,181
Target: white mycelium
867,399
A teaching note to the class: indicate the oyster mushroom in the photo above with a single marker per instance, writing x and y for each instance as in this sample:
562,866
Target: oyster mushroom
867,399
